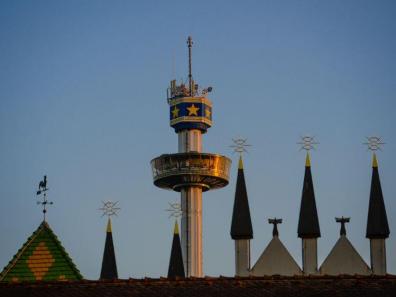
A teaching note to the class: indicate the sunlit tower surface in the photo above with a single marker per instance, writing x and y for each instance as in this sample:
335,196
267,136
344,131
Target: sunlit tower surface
190,171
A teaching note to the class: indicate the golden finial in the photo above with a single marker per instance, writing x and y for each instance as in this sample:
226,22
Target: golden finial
374,144
240,146
109,209
307,160
240,164
108,229
174,210
375,162
307,143
176,229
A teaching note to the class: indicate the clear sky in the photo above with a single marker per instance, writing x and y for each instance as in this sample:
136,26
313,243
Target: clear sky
83,100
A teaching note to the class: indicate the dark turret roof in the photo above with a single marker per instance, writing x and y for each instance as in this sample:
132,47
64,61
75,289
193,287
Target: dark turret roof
109,265
377,222
241,226
308,224
176,268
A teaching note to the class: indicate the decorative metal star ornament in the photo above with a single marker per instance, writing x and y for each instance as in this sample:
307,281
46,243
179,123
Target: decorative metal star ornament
240,145
174,210
109,208
374,143
307,143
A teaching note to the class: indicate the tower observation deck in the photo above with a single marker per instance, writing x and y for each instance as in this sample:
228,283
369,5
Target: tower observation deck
190,171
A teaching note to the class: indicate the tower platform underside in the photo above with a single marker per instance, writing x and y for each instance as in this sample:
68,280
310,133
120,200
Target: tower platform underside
176,171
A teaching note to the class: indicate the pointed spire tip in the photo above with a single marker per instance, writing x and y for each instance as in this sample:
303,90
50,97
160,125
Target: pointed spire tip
108,229
240,164
176,229
307,161
375,162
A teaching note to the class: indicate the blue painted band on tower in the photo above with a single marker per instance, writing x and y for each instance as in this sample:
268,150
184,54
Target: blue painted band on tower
190,113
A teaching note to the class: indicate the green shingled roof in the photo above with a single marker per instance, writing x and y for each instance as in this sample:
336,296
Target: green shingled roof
42,257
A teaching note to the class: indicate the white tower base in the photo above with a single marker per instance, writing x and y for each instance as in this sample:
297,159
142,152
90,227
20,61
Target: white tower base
310,256
191,204
378,256
242,257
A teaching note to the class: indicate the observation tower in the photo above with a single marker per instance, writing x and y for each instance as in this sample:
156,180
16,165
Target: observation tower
190,171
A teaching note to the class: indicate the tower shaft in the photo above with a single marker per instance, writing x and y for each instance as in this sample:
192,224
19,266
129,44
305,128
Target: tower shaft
378,256
191,203
242,257
190,141
310,255
191,230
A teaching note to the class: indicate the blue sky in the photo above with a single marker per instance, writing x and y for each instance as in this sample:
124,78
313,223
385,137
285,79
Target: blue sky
83,100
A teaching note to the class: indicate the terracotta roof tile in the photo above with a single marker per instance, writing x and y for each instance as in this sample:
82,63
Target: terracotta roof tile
323,286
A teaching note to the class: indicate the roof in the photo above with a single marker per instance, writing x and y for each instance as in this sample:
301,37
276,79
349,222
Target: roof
109,264
42,257
344,259
241,225
276,259
377,221
308,223
176,267
298,286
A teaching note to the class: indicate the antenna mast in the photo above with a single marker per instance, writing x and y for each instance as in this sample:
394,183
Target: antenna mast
190,81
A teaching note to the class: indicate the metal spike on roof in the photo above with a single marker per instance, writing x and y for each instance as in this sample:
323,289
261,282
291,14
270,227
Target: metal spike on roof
377,221
109,264
176,267
308,224
241,226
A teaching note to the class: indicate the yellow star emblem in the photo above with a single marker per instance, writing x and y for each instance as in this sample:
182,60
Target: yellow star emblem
175,112
192,110
208,113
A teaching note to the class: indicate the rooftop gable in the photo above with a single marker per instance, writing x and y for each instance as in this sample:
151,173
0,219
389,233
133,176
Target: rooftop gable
276,260
41,258
344,259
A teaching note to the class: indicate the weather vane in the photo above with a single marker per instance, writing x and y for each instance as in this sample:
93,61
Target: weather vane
275,221
109,208
240,145
174,210
307,143
374,143
342,221
42,190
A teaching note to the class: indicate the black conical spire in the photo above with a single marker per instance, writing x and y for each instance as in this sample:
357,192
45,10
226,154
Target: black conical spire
176,268
377,221
241,226
308,224
109,265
